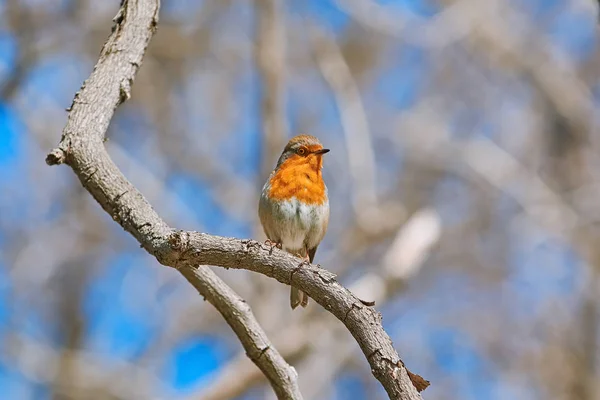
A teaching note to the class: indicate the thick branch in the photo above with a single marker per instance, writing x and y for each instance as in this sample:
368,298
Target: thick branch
82,148
364,323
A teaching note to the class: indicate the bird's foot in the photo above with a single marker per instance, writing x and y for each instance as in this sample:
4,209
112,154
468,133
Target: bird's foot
272,245
305,260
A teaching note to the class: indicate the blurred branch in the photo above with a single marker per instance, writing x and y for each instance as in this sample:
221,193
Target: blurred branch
294,342
239,375
449,26
499,30
584,344
270,60
269,53
494,165
24,30
82,148
41,363
73,324
361,158
517,45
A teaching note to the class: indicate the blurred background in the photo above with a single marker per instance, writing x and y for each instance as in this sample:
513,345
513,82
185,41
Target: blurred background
464,183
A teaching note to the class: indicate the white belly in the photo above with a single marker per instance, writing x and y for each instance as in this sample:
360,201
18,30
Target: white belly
299,220
297,225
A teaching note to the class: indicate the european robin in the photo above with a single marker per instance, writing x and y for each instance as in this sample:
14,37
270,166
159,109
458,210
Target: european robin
293,206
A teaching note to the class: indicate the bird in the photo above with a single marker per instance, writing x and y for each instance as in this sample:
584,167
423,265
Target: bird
294,204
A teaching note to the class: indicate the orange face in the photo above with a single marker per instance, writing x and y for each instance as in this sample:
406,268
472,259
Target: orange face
300,176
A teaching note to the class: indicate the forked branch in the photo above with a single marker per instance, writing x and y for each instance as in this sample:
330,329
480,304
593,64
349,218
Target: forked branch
82,148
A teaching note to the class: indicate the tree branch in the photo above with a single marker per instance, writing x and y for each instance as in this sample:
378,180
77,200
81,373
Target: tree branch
82,148
239,316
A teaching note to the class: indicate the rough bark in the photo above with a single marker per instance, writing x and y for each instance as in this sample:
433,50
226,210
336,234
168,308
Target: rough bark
81,147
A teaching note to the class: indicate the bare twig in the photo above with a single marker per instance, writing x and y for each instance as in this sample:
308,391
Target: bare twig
82,148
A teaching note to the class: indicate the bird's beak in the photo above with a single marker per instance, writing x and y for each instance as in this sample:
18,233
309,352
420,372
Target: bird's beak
322,151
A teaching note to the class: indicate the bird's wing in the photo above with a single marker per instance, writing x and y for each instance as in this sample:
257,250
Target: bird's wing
266,218
311,252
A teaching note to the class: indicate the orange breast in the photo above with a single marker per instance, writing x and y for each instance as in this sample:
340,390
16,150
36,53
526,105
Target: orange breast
300,178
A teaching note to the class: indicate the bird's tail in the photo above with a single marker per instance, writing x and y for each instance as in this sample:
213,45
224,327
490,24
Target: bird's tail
298,297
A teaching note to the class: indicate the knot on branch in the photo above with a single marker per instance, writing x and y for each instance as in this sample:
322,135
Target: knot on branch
249,245
125,90
179,245
56,157
178,241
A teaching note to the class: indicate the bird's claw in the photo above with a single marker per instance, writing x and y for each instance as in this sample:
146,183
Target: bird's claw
272,245
305,261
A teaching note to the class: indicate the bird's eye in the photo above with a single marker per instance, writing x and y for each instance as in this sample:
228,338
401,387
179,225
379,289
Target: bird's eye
301,151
